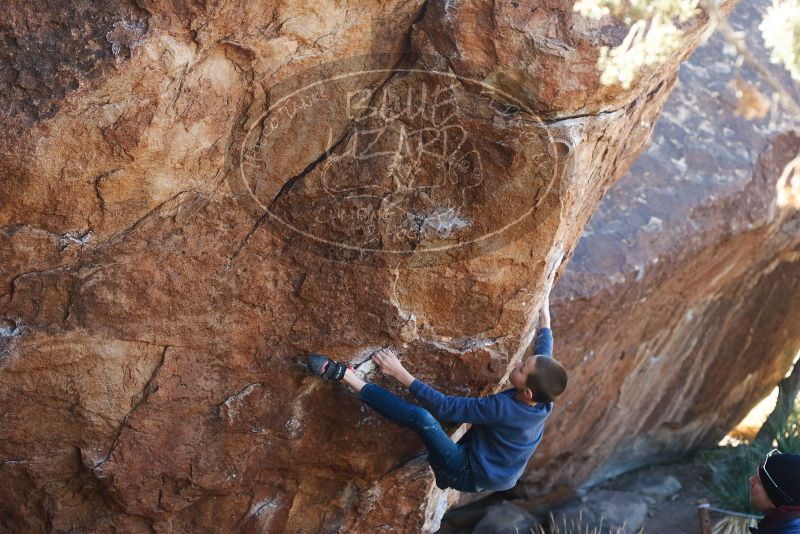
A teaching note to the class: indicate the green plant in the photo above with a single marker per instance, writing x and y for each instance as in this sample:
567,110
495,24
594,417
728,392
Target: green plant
731,467
787,435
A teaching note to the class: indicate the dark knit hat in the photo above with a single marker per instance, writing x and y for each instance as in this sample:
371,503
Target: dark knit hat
780,476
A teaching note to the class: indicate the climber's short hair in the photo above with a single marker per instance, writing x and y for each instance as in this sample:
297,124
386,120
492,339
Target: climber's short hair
548,379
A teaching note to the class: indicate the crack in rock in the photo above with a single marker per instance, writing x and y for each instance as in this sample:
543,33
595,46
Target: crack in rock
143,395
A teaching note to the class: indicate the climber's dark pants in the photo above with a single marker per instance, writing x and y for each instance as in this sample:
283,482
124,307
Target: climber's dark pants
449,460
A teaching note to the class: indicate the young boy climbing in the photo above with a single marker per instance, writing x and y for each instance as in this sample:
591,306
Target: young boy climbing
506,427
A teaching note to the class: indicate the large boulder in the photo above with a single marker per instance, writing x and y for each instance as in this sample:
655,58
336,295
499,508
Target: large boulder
680,308
196,194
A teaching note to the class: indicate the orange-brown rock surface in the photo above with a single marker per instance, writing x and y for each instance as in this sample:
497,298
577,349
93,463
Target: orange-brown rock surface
196,194
680,308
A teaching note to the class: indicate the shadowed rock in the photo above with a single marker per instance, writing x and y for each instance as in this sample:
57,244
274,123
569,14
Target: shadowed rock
680,309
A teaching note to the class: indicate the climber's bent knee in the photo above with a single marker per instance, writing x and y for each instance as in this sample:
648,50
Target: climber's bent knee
421,419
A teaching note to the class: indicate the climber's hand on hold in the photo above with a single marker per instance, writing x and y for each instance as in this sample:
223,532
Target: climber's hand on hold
390,365
388,362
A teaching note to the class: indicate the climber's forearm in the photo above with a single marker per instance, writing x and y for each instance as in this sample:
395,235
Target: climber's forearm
405,378
544,314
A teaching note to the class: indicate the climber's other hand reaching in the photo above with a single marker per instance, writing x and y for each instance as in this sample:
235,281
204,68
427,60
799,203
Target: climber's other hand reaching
387,360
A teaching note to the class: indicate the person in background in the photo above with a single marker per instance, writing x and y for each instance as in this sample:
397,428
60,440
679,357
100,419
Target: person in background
775,491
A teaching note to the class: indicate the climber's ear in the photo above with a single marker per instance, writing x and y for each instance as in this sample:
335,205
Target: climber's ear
528,393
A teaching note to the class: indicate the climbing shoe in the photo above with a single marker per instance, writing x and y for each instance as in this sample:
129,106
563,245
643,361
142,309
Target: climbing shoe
325,368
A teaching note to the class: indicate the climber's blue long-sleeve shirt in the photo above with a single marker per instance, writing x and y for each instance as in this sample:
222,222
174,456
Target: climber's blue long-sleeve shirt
504,432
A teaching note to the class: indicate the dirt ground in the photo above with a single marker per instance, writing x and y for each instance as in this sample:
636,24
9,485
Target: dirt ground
677,514
672,515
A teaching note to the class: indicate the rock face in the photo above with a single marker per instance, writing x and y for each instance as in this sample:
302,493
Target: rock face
194,195
680,308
